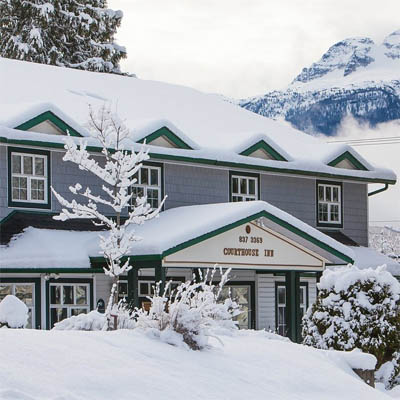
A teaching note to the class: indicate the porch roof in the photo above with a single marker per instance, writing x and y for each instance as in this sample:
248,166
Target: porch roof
174,230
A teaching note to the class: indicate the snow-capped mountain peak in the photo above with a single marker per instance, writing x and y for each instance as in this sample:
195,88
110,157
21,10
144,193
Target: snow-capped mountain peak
346,55
354,77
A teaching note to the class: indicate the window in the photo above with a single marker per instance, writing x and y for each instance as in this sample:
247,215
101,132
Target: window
244,188
25,292
148,184
329,203
68,299
240,294
28,178
146,288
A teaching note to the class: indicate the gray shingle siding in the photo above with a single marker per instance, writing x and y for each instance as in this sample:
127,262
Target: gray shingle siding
191,185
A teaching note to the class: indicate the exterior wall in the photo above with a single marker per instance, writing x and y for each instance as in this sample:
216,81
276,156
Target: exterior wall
189,185
291,194
63,175
355,212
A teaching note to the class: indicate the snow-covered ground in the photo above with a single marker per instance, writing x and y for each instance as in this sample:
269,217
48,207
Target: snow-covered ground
74,365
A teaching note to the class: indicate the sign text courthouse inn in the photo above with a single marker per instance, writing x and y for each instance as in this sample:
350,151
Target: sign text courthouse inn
244,192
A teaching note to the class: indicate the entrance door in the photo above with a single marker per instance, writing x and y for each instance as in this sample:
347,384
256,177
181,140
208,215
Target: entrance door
282,318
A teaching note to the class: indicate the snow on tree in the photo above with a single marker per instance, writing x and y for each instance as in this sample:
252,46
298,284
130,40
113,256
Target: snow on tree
118,175
66,33
356,309
191,312
386,240
13,312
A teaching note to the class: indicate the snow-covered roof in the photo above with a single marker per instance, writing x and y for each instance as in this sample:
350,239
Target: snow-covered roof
159,236
366,257
214,128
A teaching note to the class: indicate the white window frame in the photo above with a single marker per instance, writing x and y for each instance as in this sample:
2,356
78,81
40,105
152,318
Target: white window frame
330,203
31,308
150,284
149,185
69,307
29,177
245,196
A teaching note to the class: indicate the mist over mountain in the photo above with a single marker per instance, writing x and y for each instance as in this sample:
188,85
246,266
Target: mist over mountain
355,77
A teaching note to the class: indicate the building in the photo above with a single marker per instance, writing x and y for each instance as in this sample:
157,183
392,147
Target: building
276,205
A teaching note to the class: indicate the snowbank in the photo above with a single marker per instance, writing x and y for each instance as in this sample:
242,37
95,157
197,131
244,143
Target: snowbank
13,312
127,364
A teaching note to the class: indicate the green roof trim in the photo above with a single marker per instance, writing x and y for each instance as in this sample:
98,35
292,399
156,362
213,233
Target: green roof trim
349,157
171,136
272,218
205,161
262,145
48,116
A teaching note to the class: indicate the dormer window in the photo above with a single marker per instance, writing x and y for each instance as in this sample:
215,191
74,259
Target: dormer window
29,173
329,200
149,179
244,187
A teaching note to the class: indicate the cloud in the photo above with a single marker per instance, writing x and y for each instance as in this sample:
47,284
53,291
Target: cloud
385,152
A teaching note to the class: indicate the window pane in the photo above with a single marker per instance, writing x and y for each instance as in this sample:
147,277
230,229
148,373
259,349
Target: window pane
77,311
144,172
4,291
25,293
144,289
154,177
16,164
281,295
335,194
323,212
302,295
57,315
243,186
252,186
123,289
37,189
39,166
334,215
321,193
28,165
68,294
328,191
55,294
29,323
81,295
235,185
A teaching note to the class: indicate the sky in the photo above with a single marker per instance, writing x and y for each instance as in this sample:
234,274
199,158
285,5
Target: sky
242,48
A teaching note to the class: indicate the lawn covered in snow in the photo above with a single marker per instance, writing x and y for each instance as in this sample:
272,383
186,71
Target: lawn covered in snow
128,364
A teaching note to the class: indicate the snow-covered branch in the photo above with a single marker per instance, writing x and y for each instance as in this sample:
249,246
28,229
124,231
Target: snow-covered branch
117,171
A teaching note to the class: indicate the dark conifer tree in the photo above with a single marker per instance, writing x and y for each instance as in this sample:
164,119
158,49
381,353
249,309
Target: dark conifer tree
61,32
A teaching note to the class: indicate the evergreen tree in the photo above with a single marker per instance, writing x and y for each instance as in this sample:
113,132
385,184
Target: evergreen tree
61,32
356,309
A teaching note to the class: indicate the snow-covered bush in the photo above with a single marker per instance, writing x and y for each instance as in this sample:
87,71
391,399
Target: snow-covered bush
13,312
191,312
95,321
355,309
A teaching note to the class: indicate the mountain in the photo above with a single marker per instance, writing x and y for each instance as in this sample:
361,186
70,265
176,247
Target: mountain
354,77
